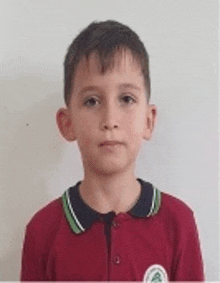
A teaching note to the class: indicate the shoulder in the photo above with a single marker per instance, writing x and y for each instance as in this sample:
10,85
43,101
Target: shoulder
47,219
177,219
174,204
175,211
40,236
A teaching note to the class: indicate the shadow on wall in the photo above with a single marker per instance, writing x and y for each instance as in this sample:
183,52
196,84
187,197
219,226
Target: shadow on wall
32,150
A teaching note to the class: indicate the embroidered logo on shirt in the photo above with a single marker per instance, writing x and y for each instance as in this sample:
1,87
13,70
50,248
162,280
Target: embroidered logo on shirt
155,274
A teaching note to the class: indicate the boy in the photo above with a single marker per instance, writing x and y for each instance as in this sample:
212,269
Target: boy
111,226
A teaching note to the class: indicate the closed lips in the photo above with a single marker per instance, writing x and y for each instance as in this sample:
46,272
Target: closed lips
110,143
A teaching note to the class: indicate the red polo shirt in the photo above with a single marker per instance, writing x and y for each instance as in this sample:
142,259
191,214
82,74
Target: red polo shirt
156,240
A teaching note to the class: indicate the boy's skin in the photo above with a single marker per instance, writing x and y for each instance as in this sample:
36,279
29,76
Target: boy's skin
109,182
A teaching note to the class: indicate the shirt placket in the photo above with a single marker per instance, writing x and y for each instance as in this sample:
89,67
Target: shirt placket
116,257
108,233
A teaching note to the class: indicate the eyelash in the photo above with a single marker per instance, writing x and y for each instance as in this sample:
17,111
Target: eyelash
92,98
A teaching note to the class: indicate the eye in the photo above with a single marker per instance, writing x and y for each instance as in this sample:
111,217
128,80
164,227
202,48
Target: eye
90,102
128,99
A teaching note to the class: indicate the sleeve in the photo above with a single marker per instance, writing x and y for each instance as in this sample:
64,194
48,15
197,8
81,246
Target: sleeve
32,267
189,263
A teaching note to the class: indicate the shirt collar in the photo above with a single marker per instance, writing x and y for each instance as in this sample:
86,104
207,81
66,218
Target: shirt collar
80,216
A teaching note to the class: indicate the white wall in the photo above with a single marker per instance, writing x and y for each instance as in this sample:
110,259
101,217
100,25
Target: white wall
182,158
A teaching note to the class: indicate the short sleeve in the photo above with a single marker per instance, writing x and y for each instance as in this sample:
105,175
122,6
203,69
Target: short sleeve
32,267
189,263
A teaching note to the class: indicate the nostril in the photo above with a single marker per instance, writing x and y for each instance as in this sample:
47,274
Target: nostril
109,127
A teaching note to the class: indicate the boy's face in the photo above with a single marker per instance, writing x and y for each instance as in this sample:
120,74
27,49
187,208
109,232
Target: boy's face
108,107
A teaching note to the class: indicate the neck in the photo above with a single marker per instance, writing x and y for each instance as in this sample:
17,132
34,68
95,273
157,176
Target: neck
116,193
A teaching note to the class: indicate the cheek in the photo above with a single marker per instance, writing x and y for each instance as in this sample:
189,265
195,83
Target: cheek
85,130
84,126
135,125
83,123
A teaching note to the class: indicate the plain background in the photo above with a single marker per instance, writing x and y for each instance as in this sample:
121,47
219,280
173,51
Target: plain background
182,157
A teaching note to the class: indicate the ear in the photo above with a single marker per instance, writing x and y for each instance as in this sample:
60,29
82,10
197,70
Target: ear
151,119
64,124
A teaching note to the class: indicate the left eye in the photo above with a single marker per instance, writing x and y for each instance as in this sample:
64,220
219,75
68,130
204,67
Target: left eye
128,99
91,102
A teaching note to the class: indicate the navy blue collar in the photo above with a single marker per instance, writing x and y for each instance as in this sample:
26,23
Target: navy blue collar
80,216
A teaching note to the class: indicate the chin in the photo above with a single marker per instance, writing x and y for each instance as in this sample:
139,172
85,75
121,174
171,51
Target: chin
109,169
109,166
112,168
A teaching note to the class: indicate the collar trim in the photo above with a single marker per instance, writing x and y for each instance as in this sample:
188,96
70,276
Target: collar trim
74,206
70,214
156,202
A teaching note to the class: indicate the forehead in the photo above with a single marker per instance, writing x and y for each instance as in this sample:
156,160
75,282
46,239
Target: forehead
123,66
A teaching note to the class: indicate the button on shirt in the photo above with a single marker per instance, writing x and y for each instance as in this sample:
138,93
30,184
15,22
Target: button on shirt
69,241
115,224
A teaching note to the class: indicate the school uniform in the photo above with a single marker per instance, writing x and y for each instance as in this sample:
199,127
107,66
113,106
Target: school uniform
156,240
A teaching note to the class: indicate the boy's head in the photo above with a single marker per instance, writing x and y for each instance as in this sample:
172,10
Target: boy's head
107,88
104,39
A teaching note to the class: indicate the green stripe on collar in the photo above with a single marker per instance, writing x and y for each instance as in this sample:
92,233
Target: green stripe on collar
156,201
70,215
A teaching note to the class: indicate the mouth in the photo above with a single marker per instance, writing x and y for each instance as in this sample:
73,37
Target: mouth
110,143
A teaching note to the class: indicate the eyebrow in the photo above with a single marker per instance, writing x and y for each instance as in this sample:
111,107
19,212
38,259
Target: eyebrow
120,86
128,85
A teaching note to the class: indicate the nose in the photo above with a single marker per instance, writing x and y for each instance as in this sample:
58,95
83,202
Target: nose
109,127
109,120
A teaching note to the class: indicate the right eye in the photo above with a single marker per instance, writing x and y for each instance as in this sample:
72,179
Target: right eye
90,102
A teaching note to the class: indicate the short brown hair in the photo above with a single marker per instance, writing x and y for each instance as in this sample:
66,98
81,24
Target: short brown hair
104,38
